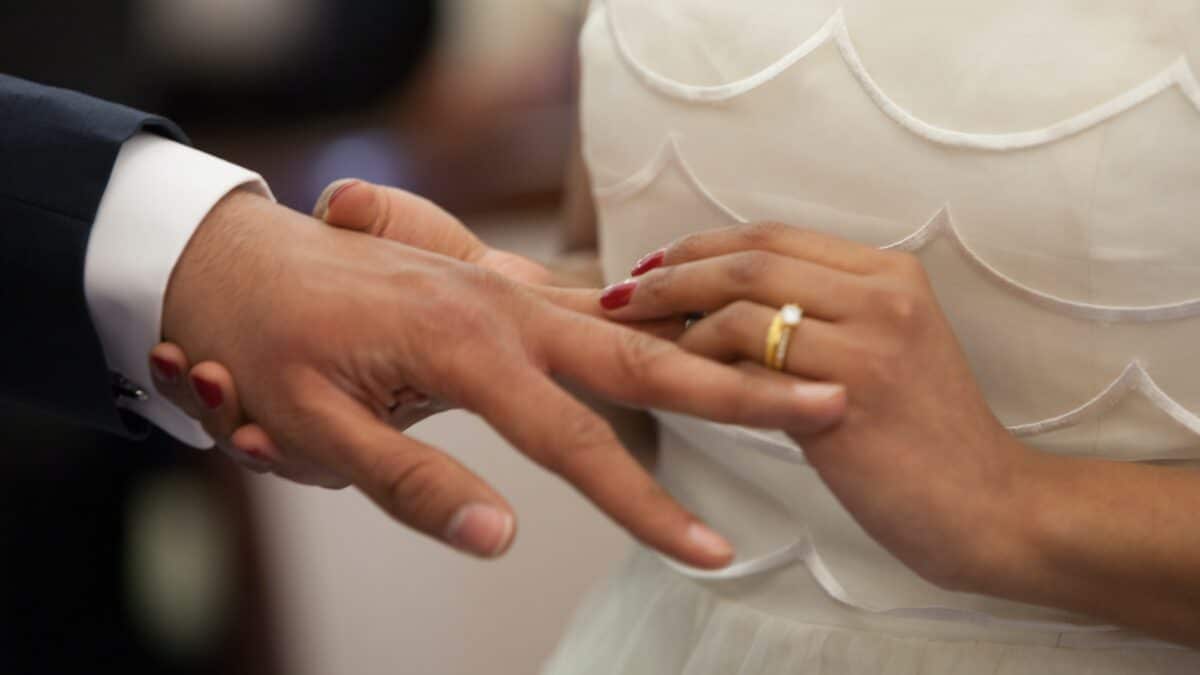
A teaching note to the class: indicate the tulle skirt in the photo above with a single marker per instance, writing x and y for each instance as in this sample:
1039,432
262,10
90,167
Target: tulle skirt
649,620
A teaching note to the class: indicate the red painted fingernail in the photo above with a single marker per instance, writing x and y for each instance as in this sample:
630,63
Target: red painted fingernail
616,297
164,369
338,193
649,262
209,392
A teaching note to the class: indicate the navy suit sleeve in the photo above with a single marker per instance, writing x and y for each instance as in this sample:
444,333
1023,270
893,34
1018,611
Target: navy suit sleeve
57,150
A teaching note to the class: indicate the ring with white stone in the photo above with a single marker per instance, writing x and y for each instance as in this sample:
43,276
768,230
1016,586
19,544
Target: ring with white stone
779,336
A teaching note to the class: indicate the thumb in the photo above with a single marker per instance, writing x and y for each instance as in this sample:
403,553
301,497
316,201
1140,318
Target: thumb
415,221
334,189
398,215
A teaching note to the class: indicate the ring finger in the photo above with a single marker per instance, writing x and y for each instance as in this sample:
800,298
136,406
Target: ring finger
738,332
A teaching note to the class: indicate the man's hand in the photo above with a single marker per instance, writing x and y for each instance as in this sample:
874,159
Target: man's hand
320,325
208,393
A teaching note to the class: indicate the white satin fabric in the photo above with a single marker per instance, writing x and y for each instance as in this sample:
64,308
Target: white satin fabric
1041,157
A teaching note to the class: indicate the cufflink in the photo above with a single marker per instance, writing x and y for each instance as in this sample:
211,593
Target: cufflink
122,387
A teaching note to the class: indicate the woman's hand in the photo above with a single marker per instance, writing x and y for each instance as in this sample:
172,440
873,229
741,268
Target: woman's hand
209,392
919,459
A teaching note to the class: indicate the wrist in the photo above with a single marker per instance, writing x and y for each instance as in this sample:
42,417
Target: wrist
1004,551
205,278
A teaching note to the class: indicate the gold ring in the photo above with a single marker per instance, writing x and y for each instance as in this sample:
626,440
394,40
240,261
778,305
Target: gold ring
779,336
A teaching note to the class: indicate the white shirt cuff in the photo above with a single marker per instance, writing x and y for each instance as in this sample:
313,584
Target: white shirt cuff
159,193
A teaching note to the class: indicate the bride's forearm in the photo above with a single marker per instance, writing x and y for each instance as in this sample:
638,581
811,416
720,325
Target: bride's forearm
1115,541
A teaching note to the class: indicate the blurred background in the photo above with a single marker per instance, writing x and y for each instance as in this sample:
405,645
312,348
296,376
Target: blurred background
153,558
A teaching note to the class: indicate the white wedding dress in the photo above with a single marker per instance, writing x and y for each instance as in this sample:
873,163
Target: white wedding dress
1041,157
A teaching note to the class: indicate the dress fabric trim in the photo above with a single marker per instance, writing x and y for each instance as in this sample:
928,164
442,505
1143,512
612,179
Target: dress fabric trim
803,551
1179,74
941,224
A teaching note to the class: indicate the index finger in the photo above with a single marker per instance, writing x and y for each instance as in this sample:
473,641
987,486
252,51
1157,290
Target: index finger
815,247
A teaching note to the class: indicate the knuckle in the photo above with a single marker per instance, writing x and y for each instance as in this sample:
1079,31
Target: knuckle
642,360
732,322
486,279
449,332
380,212
411,487
657,285
639,355
749,268
903,308
580,440
764,233
899,307
688,247
471,321
904,264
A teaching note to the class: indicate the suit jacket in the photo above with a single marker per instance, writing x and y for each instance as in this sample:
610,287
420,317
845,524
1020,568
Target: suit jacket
57,150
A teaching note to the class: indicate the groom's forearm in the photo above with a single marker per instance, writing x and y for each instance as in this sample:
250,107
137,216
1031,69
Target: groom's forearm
97,201
57,151
159,194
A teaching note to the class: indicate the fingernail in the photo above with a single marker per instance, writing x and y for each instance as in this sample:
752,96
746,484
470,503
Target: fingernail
649,262
208,392
819,391
338,193
164,369
329,195
619,295
480,529
712,543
